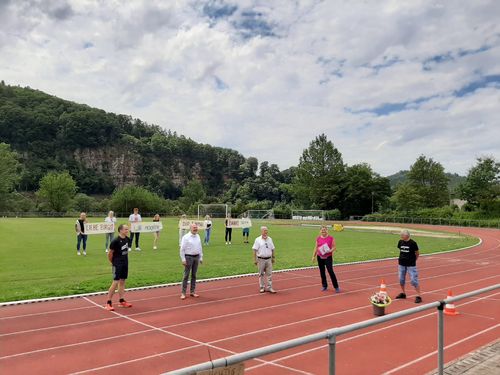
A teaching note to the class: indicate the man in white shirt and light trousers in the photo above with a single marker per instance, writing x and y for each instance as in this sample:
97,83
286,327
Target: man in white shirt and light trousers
263,257
191,255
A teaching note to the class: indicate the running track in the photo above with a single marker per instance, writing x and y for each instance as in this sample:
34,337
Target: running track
162,333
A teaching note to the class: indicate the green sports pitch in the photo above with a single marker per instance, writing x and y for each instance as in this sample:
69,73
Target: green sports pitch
38,256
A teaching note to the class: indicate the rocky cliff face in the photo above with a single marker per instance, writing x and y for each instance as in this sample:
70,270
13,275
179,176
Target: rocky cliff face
122,166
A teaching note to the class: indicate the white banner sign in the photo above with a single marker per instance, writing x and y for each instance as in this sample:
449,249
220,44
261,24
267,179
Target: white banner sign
186,224
146,227
99,228
239,223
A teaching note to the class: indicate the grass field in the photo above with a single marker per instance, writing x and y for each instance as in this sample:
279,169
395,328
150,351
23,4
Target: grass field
38,256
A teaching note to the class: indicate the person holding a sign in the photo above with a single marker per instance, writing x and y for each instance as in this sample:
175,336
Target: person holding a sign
156,219
208,229
323,252
118,257
191,256
182,231
263,257
134,218
80,233
111,219
229,230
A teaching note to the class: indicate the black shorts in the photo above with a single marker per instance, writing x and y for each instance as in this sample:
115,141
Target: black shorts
120,271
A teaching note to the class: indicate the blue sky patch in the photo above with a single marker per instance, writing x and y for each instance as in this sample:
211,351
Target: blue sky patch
486,81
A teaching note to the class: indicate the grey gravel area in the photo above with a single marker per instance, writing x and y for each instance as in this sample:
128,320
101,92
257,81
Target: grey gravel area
484,361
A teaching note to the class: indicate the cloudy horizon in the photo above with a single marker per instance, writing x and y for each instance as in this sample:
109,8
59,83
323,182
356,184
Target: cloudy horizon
385,81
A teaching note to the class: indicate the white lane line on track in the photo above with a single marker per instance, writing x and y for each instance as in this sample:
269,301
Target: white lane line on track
322,346
446,347
222,316
228,299
298,272
184,338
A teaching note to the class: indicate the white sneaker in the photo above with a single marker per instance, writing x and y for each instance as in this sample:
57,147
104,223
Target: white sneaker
138,249
154,247
84,253
229,242
129,249
78,253
226,243
106,250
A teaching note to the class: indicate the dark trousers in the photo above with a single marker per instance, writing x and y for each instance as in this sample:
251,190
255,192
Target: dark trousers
81,238
190,267
229,232
328,262
137,235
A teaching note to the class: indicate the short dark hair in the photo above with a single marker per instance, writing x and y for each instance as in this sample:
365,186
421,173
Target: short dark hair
120,227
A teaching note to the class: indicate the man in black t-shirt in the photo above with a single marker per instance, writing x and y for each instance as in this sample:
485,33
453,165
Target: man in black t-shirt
118,257
408,255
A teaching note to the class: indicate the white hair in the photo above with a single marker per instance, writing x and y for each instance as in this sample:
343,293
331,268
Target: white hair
405,232
263,228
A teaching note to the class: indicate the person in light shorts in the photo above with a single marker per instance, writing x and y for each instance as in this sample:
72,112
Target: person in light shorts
408,255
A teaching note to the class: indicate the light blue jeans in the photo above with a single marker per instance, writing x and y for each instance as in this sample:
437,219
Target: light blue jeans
207,235
109,238
413,275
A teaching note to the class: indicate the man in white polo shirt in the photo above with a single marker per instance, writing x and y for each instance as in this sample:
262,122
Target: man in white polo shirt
191,255
263,257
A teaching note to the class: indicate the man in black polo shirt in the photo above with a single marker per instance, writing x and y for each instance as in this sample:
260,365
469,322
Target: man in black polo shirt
118,256
408,255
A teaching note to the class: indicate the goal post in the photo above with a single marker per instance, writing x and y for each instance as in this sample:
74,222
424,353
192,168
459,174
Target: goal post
259,214
308,215
213,210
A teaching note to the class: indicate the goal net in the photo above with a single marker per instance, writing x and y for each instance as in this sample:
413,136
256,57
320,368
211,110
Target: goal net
258,214
308,215
213,210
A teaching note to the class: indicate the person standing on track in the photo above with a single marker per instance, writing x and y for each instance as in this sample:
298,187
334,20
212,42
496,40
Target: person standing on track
134,218
80,233
408,255
118,257
191,256
323,252
263,257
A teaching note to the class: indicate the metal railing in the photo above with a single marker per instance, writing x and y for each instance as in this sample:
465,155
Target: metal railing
486,223
332,334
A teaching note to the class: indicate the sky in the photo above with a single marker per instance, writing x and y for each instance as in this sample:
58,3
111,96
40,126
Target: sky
386,81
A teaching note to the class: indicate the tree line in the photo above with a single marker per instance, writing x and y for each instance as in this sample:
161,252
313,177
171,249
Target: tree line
41,136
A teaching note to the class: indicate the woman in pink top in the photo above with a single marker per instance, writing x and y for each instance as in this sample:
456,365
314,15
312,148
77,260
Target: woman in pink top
323,252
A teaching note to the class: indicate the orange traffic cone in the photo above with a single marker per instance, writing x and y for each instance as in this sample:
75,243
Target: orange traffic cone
383,287
449,308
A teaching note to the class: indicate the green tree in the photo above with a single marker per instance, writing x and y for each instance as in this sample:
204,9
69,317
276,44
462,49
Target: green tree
193,192
57,189
320,176
9,169
406,198
125,199
428,179
483,182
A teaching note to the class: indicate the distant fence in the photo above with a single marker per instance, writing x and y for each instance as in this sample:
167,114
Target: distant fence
430,220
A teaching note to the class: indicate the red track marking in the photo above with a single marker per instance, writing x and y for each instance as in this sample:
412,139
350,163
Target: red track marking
161,332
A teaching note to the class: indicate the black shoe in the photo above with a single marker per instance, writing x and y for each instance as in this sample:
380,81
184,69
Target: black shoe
418,299
401,296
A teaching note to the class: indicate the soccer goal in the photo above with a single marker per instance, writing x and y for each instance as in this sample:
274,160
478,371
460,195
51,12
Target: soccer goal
259,214
213,210
308,215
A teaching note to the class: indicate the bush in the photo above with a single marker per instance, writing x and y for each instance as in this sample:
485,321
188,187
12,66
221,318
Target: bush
333,214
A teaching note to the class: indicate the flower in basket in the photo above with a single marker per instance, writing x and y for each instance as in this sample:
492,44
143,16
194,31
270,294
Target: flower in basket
380,299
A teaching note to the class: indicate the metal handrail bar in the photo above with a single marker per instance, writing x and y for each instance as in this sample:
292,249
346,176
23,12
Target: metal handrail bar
332,334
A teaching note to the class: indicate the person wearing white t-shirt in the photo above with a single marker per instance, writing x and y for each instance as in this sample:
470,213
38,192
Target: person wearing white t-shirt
111,219
134,218
263,257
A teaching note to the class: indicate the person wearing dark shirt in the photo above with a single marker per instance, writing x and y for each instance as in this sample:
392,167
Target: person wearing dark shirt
118,257
408,255
81,237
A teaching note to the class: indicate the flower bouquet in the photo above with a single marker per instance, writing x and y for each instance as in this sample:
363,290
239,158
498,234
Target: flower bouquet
380,301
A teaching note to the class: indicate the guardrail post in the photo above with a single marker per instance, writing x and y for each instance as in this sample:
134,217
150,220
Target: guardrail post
332,340
440,338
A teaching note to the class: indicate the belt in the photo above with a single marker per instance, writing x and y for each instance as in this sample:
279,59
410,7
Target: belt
194,256
264,258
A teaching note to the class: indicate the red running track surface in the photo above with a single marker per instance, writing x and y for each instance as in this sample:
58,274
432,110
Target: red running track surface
162,333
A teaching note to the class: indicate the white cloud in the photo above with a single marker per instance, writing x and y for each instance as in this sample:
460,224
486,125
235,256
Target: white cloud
266,77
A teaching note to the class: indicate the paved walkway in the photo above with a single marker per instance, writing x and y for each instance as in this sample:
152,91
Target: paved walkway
484,361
